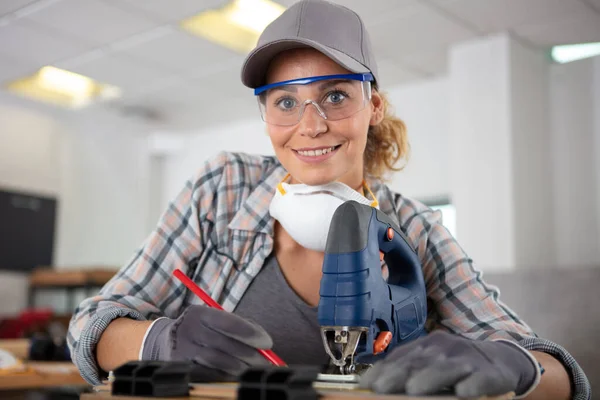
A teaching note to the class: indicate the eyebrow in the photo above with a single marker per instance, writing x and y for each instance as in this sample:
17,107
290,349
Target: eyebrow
327,84
287,88
330,83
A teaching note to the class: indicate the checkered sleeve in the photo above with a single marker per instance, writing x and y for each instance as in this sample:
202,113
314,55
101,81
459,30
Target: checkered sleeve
462,303
580,385
143,288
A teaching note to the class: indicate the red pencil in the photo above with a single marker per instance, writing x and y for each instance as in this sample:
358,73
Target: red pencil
268,354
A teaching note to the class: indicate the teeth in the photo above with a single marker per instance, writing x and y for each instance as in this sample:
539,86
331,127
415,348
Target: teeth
313,153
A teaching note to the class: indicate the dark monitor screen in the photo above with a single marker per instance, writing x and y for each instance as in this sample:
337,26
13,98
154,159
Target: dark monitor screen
27,224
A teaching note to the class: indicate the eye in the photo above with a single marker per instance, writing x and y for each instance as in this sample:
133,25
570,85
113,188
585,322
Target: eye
285,103
335,97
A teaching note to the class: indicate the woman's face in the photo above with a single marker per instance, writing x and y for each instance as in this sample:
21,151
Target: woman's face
348,136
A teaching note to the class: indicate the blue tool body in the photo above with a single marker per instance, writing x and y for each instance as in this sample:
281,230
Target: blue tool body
353,292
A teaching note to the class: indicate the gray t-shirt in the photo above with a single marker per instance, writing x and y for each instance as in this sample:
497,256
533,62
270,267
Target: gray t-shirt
293,324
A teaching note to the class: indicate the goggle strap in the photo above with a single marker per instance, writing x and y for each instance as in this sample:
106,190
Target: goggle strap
280,186
374,203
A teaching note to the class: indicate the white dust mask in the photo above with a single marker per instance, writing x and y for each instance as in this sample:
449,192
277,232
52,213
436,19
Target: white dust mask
305,212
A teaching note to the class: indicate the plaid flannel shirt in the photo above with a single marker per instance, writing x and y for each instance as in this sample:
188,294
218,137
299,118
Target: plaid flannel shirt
219,232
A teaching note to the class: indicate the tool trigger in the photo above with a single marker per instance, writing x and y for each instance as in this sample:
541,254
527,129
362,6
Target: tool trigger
389,234
381,343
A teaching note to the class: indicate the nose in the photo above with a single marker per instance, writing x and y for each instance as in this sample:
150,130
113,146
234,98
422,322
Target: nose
311,121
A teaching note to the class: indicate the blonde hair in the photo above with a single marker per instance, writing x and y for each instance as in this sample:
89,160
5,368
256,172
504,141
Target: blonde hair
387,143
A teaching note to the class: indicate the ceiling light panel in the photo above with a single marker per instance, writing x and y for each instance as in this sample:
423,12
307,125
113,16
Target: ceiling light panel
237,25
573,52
63,88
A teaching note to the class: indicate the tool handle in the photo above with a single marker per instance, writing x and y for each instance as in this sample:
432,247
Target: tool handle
268,354
353,292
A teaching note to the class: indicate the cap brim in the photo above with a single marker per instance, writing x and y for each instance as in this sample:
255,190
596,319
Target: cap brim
257,62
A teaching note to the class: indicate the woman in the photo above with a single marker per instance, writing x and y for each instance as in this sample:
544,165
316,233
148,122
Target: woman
240,239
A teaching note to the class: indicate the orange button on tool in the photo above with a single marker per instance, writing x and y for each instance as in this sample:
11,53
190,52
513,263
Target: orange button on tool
382,342
390,234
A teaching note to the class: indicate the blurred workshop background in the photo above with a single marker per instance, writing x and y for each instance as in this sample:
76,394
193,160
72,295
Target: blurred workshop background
108,106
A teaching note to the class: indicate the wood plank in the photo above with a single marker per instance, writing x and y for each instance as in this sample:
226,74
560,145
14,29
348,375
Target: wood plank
227,391
45,276
17,347
42,375
214,394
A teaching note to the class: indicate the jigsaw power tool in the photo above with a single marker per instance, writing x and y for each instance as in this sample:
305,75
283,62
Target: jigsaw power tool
362,317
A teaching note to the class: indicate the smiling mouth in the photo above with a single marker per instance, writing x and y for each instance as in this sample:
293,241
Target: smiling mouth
317,152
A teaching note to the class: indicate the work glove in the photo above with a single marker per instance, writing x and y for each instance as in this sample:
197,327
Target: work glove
221,345
441,361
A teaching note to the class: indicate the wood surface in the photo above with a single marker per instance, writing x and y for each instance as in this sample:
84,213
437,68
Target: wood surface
17,347
41,375
227,391
45,276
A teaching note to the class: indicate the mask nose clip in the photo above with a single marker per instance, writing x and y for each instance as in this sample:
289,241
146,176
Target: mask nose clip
317,107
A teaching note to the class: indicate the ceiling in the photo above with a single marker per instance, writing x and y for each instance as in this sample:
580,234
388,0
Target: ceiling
189,82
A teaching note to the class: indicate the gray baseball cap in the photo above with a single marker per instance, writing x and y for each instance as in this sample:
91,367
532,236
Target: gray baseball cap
334,30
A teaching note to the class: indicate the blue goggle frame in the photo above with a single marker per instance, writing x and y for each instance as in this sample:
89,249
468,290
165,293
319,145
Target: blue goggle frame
305,81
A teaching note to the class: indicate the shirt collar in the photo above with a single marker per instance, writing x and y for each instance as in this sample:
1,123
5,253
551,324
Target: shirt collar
254,215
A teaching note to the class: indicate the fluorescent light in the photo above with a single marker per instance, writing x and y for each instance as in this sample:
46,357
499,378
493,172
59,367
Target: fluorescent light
572,52
254,15
237,25
63,88
65,82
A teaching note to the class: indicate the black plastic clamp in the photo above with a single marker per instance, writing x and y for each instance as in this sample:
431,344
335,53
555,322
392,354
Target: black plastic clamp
277,383
152,379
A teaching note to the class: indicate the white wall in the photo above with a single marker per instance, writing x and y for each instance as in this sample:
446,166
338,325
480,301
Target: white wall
29,150
574,113
97,167
481,150
249,136
596,114
531,168
424,107
106,179
29,161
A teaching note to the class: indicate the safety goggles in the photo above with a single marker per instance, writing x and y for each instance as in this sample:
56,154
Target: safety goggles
334,97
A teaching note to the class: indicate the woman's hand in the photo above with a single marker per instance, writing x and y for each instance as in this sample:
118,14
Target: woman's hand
441,360
222,344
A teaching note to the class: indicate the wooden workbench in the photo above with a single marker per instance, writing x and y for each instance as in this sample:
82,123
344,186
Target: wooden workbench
43,374
227,391
43,277
88,278
17,347
38,374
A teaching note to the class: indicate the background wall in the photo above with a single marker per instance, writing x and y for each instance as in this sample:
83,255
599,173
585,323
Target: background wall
112,181
596,116
195,147
574,125
105,176
425,108
98,171
29,161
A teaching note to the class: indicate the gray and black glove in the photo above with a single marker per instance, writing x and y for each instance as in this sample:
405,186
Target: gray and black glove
471,368
222,344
